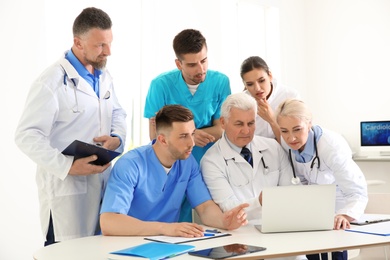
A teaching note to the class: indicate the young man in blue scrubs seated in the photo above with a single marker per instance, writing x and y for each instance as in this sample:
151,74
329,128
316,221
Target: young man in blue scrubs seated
147,185
194,86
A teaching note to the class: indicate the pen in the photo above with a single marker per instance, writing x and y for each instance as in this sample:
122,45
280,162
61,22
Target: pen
209,234
213,231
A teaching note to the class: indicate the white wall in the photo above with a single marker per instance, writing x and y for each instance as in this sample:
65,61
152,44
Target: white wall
347,63
347,67
20,32
335,52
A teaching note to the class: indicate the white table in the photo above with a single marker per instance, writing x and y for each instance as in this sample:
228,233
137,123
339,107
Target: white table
278,244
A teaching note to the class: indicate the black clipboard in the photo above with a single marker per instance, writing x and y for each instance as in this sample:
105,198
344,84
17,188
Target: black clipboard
80,149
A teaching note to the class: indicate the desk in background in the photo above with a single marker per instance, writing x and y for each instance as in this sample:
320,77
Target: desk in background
278,244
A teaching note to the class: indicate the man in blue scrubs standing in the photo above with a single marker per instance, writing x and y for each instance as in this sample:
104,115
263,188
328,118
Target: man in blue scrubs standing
147,184
193,86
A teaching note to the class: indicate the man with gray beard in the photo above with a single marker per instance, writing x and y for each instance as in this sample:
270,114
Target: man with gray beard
73,99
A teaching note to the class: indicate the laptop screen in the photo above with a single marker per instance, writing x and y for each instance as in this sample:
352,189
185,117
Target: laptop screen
375,133
298,208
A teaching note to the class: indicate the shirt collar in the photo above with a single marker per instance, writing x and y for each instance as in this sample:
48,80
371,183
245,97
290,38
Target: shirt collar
235,147
80,68
309,151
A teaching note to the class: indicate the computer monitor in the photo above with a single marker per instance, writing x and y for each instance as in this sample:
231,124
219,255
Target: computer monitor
375,134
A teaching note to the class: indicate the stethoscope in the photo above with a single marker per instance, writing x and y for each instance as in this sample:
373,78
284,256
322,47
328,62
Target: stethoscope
265,166
266,169
295,180
75,94
76,109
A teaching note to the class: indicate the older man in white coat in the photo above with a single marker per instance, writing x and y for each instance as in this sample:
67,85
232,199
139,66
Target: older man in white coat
235,175
231,178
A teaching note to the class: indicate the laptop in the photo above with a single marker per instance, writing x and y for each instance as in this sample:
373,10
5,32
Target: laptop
298,208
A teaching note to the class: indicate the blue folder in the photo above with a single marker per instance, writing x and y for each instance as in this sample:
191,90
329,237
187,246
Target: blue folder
155,250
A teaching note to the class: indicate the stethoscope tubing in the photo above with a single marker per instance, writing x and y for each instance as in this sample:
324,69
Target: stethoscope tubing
266,168
106,96
295,179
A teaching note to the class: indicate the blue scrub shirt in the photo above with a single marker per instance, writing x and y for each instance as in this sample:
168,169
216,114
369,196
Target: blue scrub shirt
170,88
139,186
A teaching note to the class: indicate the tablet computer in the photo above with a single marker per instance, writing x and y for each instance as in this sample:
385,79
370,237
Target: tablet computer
226,251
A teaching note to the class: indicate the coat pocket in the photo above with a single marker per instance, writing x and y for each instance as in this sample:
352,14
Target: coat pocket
72,185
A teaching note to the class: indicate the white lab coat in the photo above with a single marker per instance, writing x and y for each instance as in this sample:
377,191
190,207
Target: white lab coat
51,120
232,181
337,167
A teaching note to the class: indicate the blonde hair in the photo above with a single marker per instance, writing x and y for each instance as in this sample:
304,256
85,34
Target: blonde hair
294,108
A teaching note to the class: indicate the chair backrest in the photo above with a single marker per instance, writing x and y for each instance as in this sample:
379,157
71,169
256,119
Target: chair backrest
378,203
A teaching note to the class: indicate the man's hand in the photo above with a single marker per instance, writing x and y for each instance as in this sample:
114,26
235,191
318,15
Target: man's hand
108,142
202,138
83,166
183,229
235,217
116,224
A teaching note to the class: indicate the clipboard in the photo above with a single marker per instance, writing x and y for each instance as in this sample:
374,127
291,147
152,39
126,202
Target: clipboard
80,149
367,219
179,240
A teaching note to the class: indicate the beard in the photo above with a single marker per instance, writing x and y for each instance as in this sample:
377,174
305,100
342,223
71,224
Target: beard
98,64
177,155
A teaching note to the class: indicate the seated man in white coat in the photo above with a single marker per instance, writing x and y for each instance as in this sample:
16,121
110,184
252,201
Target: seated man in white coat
231,179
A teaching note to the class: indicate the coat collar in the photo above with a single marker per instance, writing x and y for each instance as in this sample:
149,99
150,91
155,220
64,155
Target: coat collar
229,153
81,85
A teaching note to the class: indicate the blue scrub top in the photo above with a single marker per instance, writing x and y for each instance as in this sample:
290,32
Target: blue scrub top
170,88
139,186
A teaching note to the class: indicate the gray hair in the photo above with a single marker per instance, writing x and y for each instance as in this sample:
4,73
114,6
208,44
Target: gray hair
91,18
294,108
239,100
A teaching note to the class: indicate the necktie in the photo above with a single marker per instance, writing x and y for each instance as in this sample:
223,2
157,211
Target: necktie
247,155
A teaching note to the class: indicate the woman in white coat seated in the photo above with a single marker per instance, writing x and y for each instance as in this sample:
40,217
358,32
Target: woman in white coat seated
320,156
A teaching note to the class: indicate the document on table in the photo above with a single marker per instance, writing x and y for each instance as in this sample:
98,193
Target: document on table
380,228
178,240
366,219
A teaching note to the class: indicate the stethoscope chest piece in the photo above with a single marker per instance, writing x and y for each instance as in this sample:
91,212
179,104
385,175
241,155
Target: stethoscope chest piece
295,180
